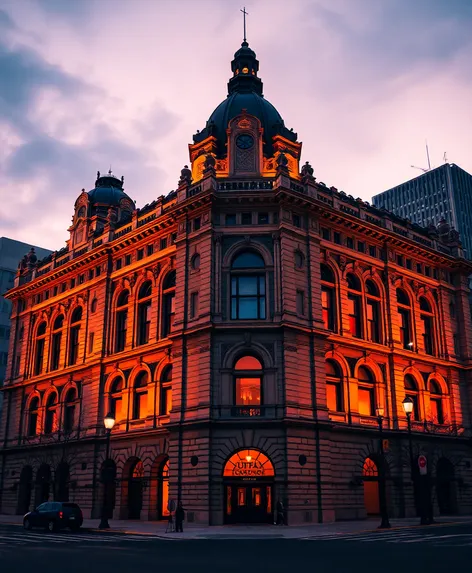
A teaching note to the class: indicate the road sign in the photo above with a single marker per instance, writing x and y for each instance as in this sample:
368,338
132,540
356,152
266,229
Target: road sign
423,465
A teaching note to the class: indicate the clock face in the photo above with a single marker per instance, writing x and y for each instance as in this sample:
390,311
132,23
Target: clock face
245,141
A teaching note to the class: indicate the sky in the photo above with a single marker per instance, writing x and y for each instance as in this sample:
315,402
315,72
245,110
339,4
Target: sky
86,85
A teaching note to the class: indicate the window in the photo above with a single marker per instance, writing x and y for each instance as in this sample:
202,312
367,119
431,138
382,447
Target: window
90,275
411,390
93,306
354,298
70,404
366,392
263,218
121,321
140,254
168,304
115,399
91,342
349,242
328,292
400,260
195,262
39,348
140,396
427,320
230,219
81,280
119,264
372,250
150,250
50,422
33,413
296,220
408,264
248,287
301,302
361,246
404,312
246,218
457,346
373,311
334,394
163,244
56,342
197,222
63,287
127,260
144,313
97,271
165,402
74,335
193,304
326,233
337,238
248,381
435,399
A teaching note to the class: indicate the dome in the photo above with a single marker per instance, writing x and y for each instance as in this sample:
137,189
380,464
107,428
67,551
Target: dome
245,92
109,192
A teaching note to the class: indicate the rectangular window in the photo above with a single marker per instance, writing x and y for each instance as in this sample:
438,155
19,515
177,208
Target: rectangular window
165,405
55,291
163,244
372,250
150,250
263,218
144,322
90,275
400,260
118,264
296,220
248,297
140,254
408,264
193,304
173,238
81,279
197,223
63,287
72,283
248,391
230,219
457,348
127,260
121,328
300,302
349,242
333,396
366,401
326,233
427,271
354,312
405,331
337,238
246,218
91,338
373,320
418,268
361,246
98,270
74,345
327,303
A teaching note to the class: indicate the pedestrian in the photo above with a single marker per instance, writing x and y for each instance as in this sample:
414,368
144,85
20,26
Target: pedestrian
280,513
179,517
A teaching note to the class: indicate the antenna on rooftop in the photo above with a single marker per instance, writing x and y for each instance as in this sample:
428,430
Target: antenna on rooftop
445,157
424,170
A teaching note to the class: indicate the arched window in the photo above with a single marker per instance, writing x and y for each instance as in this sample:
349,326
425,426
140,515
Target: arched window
56,342
404,312
70,406
144,313
168,304
411,390
372,295
248,287
427,319
33,413
121,321
328,298
366,392
165,402
334,388
140,396
354,299
116,389
75,324
435,399
50,422
248,381
39,348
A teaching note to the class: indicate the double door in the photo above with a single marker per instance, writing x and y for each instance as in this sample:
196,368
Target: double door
248,503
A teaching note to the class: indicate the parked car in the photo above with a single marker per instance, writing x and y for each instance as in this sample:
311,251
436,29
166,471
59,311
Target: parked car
54,515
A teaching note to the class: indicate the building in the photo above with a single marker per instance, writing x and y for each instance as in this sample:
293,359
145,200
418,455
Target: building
10,253
247,332
441,195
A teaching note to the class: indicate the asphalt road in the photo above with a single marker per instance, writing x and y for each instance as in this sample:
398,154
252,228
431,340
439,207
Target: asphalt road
433,549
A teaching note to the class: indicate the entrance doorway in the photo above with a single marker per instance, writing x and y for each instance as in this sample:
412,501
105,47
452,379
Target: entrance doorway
248,488
135,493
445,487
370,475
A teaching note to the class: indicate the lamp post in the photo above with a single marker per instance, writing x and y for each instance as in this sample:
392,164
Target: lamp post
108,422
385,523
408,406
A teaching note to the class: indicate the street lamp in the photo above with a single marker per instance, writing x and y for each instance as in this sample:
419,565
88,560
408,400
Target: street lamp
385,523
408,406
108,422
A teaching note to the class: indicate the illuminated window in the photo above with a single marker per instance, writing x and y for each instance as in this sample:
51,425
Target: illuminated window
164,493
427,320
168,304
366,392
248,287
411,390
50,422
56,341
404,312
74,334
121,321
248,381
373,311
116,397
140,396
144,313
334,394
33,413
328,293
354,299
70,405
370,469
435,399
165,402
39,348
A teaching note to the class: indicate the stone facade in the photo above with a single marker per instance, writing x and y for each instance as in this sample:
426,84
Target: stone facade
255,312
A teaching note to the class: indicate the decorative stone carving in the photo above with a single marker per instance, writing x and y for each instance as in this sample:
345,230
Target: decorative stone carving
307,171
185,176
209,166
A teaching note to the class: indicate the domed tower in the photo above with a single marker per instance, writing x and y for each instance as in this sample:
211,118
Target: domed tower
245,133
106,203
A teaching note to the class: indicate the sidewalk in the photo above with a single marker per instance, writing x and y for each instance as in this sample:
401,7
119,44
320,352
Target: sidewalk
191,531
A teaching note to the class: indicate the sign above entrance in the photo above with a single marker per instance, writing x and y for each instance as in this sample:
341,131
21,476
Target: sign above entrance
248,464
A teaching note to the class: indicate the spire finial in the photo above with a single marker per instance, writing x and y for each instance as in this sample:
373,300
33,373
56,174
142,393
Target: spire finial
244,21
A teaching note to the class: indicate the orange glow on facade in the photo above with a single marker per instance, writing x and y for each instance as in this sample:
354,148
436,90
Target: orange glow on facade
249,463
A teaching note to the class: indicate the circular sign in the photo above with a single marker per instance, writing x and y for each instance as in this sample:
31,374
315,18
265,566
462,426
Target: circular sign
422,461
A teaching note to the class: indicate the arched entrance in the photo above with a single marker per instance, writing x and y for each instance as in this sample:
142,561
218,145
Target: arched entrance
43,484
24,490
248,487
135,490
163,485
62,482
370,476
445,487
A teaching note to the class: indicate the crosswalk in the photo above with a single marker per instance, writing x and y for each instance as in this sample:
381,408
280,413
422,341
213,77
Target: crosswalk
13,539
395,536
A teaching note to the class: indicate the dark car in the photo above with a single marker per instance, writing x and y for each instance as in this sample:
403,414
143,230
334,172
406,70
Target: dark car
54,515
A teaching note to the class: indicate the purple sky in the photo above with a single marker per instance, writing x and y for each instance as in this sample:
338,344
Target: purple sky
85,84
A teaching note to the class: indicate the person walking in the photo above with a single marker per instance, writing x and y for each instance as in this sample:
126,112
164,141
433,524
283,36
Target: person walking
179,517
280,513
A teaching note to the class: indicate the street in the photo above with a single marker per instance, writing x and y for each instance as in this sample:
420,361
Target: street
433,549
